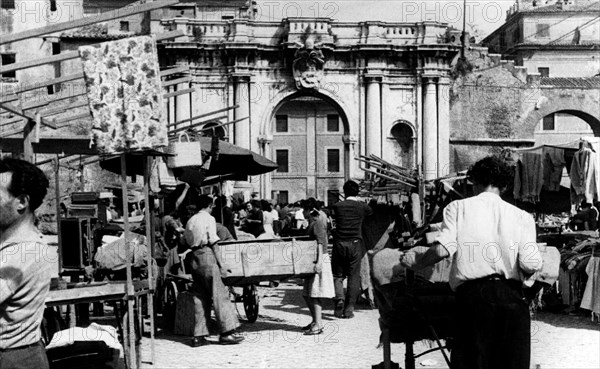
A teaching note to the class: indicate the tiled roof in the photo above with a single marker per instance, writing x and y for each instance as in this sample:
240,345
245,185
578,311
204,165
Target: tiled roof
590,82
96,31
555,8
562,44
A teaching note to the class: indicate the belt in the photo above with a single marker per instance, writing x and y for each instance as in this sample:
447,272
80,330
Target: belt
21,347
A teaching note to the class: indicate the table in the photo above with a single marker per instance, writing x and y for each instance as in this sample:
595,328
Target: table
107,291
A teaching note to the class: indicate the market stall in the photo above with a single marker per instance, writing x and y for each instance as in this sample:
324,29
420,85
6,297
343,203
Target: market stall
139,135
567,175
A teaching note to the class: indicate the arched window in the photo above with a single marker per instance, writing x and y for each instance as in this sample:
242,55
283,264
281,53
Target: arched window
403,136
218,131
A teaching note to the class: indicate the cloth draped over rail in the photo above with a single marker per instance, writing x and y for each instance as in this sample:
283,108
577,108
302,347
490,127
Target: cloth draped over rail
529,177
585,181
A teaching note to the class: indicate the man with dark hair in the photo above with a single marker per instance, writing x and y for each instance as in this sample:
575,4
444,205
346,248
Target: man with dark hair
25,270
201,236
348,249
493,245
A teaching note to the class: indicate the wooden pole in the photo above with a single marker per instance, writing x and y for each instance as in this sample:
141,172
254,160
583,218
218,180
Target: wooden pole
130,295
57,195
149,237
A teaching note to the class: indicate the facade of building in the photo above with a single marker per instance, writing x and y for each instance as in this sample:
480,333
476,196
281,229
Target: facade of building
312,94
556,39
318,93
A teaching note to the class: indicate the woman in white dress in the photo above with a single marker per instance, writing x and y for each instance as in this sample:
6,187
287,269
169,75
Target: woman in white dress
320,286
267,218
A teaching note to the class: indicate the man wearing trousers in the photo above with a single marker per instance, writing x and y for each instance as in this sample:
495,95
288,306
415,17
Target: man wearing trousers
201,235
494,250
348,249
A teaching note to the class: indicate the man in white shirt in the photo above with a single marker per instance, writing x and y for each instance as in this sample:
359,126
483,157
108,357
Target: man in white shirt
201,234
493,245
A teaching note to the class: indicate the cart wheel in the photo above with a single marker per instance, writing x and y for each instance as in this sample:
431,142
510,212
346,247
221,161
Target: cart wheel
138,340
251,303
169,301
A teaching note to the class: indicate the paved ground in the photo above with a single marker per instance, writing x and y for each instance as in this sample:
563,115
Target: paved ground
275,341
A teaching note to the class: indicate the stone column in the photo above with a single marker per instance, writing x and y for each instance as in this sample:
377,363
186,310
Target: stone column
443,106
430,129
182,104
242,98
349,154
266,179
373,118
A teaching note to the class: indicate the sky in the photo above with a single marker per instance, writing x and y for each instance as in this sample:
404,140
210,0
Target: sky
484,16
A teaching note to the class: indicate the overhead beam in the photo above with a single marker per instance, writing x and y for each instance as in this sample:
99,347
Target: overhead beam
177,93
168,72
113,14
203,115
69,55
19,111
63,145
176,81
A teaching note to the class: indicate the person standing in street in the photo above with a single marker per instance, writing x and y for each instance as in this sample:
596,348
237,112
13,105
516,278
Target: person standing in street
201,236
348,249
25,270
319,286
494,250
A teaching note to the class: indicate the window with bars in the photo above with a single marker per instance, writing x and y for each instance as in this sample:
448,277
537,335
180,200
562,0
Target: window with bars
282,159
281,123
548,123
7,4
333,160
542,30
333,123
283,197
544,71
8,58
124,26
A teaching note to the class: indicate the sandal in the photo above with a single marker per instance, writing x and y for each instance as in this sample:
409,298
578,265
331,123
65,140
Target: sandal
308,326
313,332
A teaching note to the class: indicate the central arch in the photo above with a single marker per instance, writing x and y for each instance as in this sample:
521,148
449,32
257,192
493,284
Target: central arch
310,131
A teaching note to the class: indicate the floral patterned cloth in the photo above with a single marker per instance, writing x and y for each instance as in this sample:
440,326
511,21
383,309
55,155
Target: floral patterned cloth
124,92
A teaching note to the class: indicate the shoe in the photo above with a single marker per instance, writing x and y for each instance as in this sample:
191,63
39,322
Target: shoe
308,326
230,339
313,332
339,309
349,316
199,341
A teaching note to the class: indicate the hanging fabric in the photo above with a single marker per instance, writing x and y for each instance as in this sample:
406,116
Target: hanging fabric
554,162
583,175
529,177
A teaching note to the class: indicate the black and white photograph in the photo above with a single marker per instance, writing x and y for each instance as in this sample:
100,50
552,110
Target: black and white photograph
302,184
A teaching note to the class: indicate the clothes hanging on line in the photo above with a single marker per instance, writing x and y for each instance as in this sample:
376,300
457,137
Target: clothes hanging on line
529,177
583,175
554,162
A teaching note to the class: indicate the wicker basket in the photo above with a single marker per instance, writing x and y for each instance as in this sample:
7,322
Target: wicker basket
187,153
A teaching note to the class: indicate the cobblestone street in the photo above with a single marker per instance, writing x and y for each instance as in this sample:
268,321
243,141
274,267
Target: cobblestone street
275,341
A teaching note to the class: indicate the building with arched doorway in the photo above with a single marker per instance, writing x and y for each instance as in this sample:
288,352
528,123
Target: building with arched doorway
319,93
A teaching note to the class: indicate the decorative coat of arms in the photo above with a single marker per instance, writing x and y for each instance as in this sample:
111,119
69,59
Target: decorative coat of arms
308,65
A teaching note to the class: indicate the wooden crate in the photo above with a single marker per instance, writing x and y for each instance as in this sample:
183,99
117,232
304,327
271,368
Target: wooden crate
264,260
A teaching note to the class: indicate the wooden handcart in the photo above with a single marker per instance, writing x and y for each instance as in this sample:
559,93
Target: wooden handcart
248,263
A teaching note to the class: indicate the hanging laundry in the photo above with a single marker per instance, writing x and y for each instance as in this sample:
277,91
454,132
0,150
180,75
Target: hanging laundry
529,177
583,175
591,296
554,162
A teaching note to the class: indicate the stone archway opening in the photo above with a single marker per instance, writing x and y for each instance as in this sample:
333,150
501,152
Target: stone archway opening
564,126
212,129
403,136
310,143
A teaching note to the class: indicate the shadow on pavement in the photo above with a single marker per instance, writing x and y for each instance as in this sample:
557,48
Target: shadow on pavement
567,321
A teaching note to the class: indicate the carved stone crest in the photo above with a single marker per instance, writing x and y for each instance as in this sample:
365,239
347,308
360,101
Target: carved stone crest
308,65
